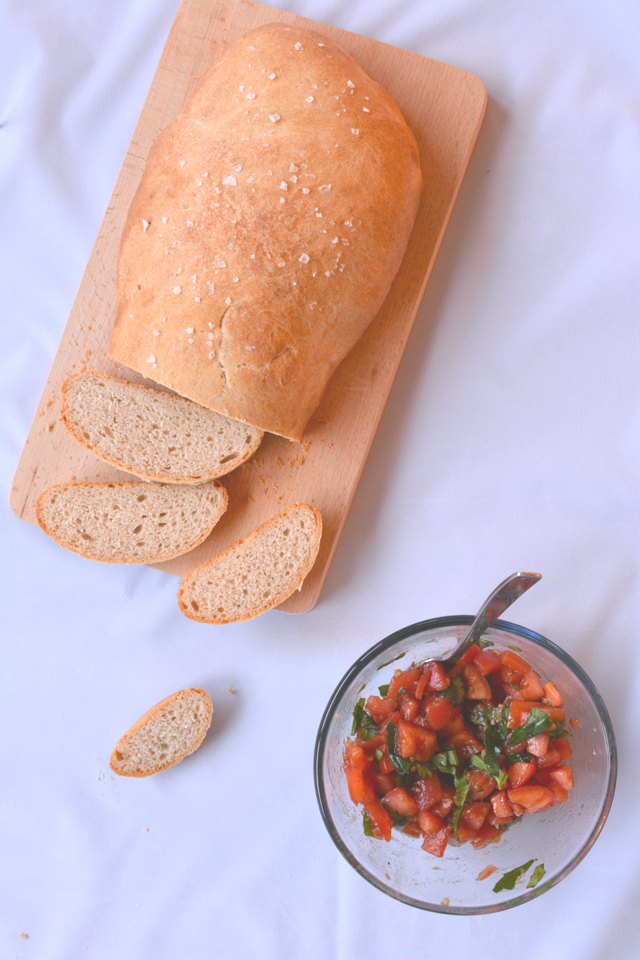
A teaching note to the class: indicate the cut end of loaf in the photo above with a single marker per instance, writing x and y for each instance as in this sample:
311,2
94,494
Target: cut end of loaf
258,572
164,735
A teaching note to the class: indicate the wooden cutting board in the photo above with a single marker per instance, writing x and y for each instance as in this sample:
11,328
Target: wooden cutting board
444,107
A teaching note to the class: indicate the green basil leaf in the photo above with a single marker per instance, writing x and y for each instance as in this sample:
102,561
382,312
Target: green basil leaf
524,757
537,875
384,689
369,728
454,692
402,766
393,660
462,789
367,826
537,722
508,881
358,714
478,763
446,761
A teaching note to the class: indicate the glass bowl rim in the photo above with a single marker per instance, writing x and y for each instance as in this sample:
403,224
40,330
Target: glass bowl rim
406,633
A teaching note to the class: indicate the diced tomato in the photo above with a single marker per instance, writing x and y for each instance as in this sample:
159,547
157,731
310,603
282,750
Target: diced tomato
477,687
474,814
377,742
427,791
531,797
415,741
385,765
563,776
538,745
563,747
485,834
394,718
413,829
380,819
455,725
519,711
382,782
550,759
520,773
443,807
356,784
438,711
560,795
430,822
487,661
481,784
380,707
465,744
436,843
409,707
513,662
529,688
552,695
501,805
433,678
469,654
401,802
408,679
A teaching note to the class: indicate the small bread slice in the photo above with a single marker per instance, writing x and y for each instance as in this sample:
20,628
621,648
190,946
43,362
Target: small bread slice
130,522
165,735
152,434
256,573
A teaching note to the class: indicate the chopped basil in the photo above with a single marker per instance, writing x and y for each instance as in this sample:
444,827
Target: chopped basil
489,767
537,875
384,689
393,660
555,732
508,881
362,719
423,769
367,826
537,722
398,819
524,757
446,761
454,692
517,649
401,691
482,643
378,754
462,789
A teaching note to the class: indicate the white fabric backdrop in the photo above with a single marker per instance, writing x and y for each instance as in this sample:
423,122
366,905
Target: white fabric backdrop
510,440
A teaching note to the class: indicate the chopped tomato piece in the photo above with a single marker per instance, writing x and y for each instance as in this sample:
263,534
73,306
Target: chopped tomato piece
474,814
381,821
382,782
519,712
443,807
487,661
438,711
485,834
530,798
430,822
400,802
427,791
529,688
550,759
469,654
407,679
552,695
413,829
377,742
433,678
436,843
415,741
563,776
520,773
465,744
380,707
501,805
513,662
409,708
563,747
538,745
481,784
477,687
455,725
465,832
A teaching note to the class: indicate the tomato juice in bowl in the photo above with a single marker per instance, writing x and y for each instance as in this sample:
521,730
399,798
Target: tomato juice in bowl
549,843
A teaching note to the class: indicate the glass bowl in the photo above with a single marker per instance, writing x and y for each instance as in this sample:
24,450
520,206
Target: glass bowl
558,838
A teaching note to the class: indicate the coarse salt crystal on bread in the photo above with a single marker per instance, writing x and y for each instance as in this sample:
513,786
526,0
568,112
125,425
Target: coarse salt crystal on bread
270,221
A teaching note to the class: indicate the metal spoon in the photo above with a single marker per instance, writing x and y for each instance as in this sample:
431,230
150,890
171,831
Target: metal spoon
495,604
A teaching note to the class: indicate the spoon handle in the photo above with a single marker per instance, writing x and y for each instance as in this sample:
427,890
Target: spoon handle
495,604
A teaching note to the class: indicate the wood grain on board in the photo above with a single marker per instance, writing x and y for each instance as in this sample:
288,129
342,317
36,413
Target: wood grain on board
444,107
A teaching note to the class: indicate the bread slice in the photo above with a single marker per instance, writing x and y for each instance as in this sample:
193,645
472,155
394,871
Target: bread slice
256,573
164,735
152,434
132,522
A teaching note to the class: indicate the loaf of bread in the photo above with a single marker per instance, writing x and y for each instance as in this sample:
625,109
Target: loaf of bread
153,434
136,522
256,573
270,221
165,735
